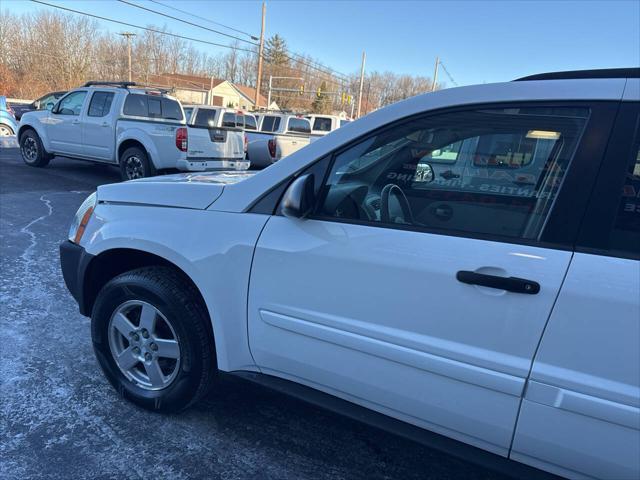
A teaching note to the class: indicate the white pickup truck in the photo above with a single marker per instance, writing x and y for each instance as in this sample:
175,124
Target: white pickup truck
323,124
278,135
216,137
141,129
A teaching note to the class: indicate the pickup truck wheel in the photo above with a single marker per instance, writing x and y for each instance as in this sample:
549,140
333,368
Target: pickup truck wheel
32,150
134,163
152,337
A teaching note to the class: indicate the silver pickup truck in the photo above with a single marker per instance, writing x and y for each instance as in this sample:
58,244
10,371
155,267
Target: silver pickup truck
278,135
216,137
141,129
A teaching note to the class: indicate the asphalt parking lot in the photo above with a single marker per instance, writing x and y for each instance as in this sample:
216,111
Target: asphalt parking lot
60,418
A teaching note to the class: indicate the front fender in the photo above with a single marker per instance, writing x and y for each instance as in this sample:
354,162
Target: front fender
214,249
36,120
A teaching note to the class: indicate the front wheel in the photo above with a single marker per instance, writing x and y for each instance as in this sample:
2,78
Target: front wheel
32,150
134,163
152,337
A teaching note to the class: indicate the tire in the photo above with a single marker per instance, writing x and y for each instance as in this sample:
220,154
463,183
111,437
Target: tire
188,372
134,163
32,150
6,130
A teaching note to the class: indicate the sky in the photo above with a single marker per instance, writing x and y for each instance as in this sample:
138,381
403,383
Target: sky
477,41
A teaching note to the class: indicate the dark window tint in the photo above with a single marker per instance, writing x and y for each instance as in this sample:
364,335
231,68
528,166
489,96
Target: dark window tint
300,125
187,112
100,104
72,103
322,124
491,172
171,109
205,117
250,122
344,122
155,107
270,124
625,236
232,120
136,105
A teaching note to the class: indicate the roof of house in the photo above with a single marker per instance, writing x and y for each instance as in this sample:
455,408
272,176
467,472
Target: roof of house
188,82
250,93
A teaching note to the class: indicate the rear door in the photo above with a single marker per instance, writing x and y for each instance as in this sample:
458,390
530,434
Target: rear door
425,298
581,411
99,126
64,124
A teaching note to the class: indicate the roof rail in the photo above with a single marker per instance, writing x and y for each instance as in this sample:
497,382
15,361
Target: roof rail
110,84
581,74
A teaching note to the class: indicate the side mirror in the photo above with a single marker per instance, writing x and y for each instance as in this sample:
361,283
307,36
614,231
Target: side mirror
299,198
424,173
36,105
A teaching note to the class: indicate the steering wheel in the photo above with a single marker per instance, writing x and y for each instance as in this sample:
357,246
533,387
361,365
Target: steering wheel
385,214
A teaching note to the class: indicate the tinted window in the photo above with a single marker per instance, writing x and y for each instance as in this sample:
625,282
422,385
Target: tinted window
322,124
136,105
100,104
301,125
250,122
270,124
72,104
344,122
187,112
205,117
230,119
171,109
492,172
155,108
625,236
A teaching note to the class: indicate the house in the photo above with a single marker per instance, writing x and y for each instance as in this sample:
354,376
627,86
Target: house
191,89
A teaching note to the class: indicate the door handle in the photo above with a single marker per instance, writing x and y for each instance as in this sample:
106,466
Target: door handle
104,124
75,122
510,284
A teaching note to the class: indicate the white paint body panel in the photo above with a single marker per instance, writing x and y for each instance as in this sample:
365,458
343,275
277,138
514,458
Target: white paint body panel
378,314
581,412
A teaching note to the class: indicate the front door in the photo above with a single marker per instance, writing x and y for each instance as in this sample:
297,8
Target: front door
420,287
64,126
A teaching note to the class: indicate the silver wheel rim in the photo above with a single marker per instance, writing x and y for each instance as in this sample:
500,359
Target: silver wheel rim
144,345
133,167
5,131
30,149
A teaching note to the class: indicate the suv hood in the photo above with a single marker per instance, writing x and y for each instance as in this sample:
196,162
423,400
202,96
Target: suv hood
187,190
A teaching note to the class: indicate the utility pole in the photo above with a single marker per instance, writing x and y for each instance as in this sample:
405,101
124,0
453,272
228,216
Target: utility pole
260,52
435,74
269,94
364,58
128,35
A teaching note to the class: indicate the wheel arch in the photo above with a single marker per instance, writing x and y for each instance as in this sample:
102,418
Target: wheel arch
130,143
113,262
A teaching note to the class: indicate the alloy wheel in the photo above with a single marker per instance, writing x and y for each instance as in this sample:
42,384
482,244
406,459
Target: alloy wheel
134,167
30,149
144,345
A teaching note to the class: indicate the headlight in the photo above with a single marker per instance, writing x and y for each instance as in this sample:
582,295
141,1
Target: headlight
82,218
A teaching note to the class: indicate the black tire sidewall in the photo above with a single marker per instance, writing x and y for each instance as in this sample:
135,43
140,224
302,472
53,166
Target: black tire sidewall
147,167
183,389
42,158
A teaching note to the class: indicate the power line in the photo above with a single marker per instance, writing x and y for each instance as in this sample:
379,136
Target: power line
253,37
448,74
187,22
142,28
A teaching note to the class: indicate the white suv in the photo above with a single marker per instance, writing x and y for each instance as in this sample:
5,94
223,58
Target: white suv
140,129
465,262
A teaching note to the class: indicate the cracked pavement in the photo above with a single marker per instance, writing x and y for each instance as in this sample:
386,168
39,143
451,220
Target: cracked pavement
60,419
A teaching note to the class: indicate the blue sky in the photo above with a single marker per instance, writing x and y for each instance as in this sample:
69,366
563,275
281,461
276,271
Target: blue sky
478,41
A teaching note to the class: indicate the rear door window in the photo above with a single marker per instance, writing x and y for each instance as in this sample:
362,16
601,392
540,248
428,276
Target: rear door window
322,124
100,104
299,125
206,117
625,235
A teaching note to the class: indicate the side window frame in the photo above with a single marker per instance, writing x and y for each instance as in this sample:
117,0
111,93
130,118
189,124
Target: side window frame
103,112
604,201
560,229
68,95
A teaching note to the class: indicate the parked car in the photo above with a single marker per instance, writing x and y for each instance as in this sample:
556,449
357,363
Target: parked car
278,135
216,137
486,292
8,124
45,102
323,124
140,129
